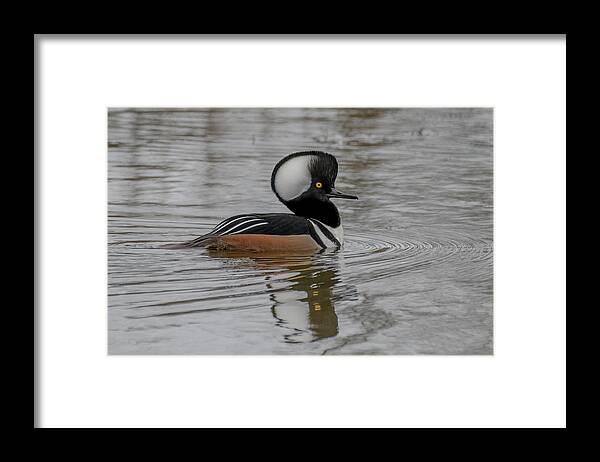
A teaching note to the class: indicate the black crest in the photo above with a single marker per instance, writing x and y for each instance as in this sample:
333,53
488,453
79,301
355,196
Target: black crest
323,165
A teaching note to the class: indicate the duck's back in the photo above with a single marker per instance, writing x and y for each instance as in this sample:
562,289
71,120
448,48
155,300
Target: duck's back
262,232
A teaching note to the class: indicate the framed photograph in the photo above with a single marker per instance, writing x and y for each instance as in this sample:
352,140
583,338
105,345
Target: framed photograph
235,231
222,242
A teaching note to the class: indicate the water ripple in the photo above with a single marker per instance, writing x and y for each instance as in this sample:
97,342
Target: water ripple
229,276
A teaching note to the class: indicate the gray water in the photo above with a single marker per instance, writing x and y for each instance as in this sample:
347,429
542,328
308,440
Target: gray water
415,275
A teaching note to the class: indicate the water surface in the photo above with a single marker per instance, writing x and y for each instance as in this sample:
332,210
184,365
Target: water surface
415,274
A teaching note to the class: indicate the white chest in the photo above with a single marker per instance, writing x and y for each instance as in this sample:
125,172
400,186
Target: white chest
329,238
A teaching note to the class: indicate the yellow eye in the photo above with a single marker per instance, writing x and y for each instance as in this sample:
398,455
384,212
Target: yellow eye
318,184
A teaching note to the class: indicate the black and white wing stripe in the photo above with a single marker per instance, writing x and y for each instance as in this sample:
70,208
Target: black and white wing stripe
237,225
233,225
280,224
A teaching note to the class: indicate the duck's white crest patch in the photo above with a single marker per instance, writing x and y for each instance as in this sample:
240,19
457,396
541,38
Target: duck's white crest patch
293,177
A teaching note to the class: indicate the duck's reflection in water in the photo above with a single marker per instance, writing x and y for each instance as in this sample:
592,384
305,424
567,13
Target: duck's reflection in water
310,288
300,288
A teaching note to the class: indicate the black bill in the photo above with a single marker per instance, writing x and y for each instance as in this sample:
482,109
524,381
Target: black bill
335,193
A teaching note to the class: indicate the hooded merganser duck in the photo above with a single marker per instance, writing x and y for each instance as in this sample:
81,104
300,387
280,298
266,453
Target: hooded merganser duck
305,183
